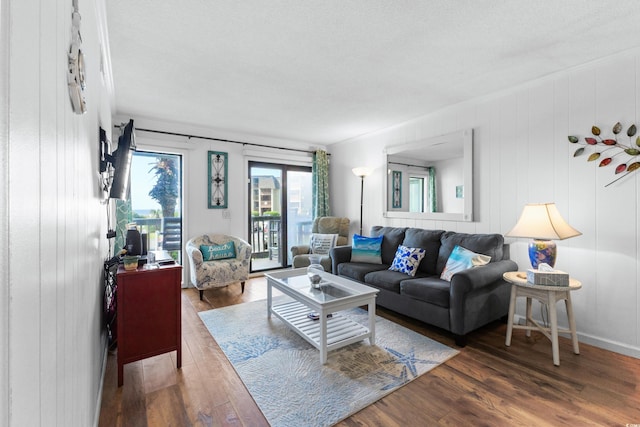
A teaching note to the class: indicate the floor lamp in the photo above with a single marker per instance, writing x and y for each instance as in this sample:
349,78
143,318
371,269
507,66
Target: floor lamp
361,172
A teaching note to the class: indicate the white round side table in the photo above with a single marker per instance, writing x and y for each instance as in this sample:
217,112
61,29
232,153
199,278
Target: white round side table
549,295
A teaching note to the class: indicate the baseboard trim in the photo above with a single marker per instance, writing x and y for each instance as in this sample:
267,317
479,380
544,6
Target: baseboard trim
616,347
98,406
603,343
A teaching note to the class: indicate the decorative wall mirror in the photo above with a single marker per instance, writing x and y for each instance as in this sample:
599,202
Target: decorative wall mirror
431,178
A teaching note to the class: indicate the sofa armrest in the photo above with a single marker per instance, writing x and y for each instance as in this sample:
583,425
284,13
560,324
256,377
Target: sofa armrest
194,255
481,276
479,295
300,250
243,252
339,255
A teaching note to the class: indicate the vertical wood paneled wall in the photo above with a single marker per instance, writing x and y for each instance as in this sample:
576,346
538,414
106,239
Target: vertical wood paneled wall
522,156
54,239
4,221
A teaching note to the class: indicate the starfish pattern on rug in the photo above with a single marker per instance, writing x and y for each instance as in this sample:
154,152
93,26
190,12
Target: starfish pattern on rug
409,360
397,380
251,348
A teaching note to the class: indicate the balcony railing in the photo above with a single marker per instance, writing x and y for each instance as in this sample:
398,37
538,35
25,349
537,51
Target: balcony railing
162,233
265,236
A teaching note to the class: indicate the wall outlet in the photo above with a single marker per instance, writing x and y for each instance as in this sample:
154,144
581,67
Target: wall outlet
226,214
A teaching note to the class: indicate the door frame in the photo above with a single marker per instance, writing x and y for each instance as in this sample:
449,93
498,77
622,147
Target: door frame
283,238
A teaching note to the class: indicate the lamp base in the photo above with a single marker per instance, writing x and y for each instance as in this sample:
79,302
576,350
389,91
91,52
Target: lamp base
542,251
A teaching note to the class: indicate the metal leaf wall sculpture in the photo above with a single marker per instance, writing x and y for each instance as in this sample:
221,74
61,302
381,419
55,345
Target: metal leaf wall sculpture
609,148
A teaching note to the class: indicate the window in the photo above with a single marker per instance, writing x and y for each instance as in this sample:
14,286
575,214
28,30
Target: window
156,200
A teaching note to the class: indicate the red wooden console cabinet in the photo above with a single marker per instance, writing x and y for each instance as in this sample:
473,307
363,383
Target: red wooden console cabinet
149,314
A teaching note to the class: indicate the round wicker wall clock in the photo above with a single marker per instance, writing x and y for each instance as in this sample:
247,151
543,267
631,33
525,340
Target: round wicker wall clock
76,76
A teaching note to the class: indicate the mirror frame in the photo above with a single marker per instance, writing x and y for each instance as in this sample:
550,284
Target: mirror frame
466,138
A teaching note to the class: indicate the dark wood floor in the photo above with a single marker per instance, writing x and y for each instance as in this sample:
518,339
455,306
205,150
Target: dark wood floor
487,384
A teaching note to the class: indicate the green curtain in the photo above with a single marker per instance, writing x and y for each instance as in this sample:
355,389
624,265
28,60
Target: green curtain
320,183
433,197
123,217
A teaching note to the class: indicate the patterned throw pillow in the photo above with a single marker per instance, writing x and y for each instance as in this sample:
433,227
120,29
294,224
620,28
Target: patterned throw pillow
321,244
407,260
366,249
216,252
462,259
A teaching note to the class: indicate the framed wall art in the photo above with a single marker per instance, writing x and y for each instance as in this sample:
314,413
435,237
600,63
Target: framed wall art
397,189
217,180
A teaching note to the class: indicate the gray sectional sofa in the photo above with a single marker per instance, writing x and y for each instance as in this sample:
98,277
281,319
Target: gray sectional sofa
473,298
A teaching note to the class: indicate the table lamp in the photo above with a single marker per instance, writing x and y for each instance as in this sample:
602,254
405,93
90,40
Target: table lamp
543,223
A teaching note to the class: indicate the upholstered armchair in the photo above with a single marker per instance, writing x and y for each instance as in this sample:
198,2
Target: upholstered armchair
226,265
322,225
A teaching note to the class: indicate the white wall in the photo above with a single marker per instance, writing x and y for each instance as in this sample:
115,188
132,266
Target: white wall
4,220
522,156
53,219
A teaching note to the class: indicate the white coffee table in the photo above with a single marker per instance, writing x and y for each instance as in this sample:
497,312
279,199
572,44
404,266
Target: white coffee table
336,294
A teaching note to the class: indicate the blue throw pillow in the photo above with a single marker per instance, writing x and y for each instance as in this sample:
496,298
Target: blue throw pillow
366,249
462,259
407,260
216,252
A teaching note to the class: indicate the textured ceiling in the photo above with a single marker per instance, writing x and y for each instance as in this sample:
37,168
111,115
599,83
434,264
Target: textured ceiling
330,70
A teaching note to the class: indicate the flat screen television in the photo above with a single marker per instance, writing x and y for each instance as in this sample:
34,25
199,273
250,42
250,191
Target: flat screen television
121,161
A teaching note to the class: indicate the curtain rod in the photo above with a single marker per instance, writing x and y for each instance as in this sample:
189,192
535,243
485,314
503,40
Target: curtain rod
408,164
219,139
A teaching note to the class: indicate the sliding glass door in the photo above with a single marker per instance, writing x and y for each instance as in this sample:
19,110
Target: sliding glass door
279,212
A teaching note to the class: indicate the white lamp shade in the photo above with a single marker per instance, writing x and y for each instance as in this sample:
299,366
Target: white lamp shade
542,221
361,171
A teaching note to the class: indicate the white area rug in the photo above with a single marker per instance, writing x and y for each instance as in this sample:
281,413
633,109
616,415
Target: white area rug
284,375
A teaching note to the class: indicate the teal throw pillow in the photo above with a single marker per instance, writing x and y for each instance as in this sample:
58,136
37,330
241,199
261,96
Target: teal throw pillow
216,252
462,259
407,260
366,249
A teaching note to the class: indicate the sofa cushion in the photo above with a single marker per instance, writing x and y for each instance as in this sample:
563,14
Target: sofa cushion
486,244
357,270
407,260
385,279
429,240
366,249
462,259
393,236
428,289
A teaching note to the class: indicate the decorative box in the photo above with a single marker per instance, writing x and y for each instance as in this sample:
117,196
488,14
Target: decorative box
548,278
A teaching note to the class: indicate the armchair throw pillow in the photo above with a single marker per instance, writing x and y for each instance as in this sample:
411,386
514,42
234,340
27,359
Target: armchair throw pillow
462,259
216,252
321,244
407,260
366,249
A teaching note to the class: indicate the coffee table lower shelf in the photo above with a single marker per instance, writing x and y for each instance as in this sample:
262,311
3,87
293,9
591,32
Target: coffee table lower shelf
341,331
